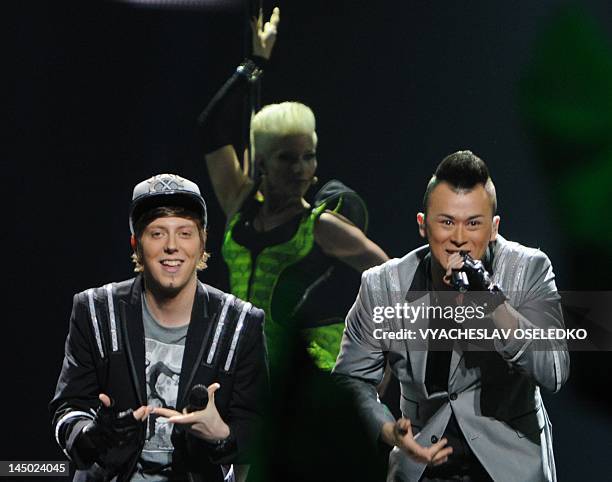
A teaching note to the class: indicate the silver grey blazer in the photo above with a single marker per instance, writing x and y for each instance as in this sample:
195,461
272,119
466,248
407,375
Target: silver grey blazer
495,395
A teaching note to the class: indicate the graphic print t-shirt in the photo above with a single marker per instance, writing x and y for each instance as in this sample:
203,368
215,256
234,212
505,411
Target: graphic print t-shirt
164,349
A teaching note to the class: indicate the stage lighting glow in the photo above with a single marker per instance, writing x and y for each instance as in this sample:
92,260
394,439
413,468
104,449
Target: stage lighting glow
184,4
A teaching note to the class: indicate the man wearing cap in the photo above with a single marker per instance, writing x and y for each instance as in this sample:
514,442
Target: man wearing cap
162,374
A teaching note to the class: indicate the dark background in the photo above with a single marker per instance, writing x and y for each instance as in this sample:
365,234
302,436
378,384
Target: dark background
104,95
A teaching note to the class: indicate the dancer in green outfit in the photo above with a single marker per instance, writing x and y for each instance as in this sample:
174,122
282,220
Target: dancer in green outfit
282,251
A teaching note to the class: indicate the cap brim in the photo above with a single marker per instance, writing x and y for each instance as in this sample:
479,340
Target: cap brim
191,202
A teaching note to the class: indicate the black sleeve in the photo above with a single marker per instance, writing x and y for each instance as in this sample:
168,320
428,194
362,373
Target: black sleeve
250,388
220,123
76,393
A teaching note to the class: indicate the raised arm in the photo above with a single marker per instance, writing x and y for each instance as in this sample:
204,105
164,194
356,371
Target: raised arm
220,123
547,362
537,306
342,240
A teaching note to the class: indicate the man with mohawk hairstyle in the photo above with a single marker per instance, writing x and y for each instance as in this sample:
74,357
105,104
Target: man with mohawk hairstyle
469,415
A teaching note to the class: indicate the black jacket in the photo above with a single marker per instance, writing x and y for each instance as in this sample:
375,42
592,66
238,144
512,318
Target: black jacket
105,353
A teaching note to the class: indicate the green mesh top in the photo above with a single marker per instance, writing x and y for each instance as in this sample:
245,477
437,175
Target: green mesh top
285,272
274,271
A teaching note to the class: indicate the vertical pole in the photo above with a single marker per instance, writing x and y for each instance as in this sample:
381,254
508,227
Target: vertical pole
251,10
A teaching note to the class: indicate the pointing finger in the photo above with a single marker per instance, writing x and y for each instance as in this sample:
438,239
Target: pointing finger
187,419
165,412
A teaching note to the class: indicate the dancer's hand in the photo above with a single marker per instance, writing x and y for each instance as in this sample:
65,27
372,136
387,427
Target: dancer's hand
264,35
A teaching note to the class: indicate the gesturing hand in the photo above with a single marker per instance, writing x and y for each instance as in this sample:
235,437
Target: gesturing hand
112,436
455,262
206,424
401,435
141,413
264,35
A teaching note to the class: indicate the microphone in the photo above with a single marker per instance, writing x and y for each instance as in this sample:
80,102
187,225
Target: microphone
198,398
459,278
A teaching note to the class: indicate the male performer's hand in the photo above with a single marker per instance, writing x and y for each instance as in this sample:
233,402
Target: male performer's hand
400,435
112,437
454,262
487,295
141,413
206,424
264,35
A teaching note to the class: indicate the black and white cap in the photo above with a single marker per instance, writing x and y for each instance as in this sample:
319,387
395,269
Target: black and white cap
166,190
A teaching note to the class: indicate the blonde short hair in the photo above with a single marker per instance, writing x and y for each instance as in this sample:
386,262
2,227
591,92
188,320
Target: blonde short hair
274,121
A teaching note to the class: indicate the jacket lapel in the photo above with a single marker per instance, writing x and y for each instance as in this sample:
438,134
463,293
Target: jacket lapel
418,355
133,334
454,363
195,344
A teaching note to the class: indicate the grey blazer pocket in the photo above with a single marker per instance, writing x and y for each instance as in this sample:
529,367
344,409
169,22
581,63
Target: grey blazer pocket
528,424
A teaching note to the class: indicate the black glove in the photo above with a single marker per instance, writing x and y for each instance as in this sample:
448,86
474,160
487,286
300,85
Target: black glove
110,439
474,277
221,122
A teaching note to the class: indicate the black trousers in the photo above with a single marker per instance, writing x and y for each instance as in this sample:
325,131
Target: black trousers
476,474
